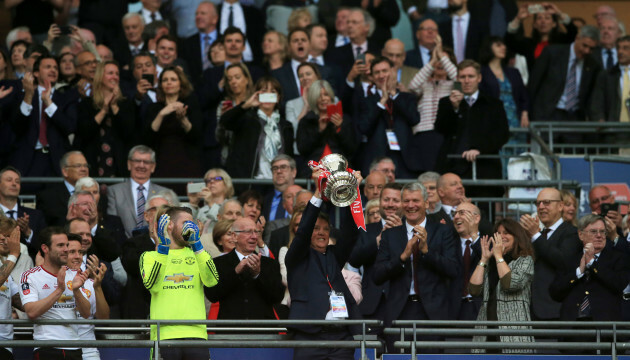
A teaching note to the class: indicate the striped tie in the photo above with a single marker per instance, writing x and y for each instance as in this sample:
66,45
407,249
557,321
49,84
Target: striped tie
571,101
140,207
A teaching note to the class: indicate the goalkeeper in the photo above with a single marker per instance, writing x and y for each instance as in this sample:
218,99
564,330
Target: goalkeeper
175,275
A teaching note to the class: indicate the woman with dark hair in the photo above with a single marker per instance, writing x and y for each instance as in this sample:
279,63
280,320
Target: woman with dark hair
67,69
506,84
223,237
173,128
551,26
320,134
105,124
260,132
6,69
504,277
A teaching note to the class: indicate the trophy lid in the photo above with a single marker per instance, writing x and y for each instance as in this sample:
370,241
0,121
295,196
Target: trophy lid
334,162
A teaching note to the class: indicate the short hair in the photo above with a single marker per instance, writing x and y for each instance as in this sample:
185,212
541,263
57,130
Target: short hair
312,66
250,195
314,92
170,196
589,219
144,54
142,149
66,226
12,35
175,211
415,186
286,157
185,87
130,15
76,58
39,60
380,59
233,30
168,37
228,201
75,196
151,29
85,182
310,27
625,38
7,224
157,196
297,194
428,176
10,168
469,63
297,30
227,179
377,160
74,237
45,236
64,159
589,31
19,43
393,186
368,19
221,228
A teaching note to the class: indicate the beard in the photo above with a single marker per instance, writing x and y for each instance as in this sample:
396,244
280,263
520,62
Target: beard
454,8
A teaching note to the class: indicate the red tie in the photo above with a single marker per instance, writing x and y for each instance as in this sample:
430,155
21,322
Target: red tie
43,125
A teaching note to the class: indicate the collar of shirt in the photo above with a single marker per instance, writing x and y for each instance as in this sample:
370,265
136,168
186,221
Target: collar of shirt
318,59
363,47
241,256
69,187
410,228
473,240
41,89
383,223
146,14
448,208
5,209
139,47
474,96
134,185
555,226
572,56
213,37
465,18
93,229
294,66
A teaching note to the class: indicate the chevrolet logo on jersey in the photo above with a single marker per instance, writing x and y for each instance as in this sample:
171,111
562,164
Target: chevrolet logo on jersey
178,278
3,288
64,298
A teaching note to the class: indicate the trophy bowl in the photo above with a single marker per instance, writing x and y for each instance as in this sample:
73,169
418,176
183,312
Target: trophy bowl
341,186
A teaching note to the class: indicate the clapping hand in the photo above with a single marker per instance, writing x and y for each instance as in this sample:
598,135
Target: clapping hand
497,246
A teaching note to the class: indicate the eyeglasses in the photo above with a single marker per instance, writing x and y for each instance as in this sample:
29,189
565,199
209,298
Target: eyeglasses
280,167
248,232
594,232
78,166
387,171
214,179
145,162
545,202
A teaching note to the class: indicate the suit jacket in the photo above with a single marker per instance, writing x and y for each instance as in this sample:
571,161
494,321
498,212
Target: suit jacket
191,52
603,282
307,270
311,142
240,295
548,79
287,79
477,32
136,298
364,254
266,206
255,21
120,203
272,226
413,58
344,56
483,127
62,124
109,238
53,202
457,286
373,121
606,100
490,86
552,257
37,223
123,55
278,239
435,271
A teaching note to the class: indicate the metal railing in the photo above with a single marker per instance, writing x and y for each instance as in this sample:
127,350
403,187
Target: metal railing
592,159
551,129
553,158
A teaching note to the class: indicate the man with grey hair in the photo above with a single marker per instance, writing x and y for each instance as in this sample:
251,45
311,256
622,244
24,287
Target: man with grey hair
128,200
18,33
429,179
134,44
563,79
606,53
419,259
360,27
386,166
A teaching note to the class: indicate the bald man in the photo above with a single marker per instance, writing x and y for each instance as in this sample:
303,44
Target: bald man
374,184
394,50
195,48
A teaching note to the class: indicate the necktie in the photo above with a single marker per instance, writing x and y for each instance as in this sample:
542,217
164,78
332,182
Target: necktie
460,52
470,100
346,40
231,17
543,234
571,101
153,17
43,125
625,95
467,253
358,51
206,50
610,62
135,50
280,212
10,214
416,260
140,207
452,213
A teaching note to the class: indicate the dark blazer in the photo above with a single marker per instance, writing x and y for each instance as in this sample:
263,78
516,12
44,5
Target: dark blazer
62,124
435,271
287,80
373,121
279,238
242,161
123,55
606,100
483,127
457,285
191,52
364,254
477,32
37,223
547,81
53,202
307,270
111,227
243,297
136,298
490,86
255,21
344,56
552,257
311,142
604,284
266,206
413,58
485,227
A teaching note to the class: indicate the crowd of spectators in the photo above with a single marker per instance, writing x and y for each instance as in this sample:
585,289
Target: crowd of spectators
218,90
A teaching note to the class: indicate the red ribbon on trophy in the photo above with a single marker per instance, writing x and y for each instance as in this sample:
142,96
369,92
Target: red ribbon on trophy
356,207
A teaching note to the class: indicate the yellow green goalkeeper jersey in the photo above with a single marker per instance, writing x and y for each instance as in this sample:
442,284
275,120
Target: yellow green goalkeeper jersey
176,283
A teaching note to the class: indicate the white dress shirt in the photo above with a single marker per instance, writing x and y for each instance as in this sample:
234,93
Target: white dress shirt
552,228
134,191
412,291
50,110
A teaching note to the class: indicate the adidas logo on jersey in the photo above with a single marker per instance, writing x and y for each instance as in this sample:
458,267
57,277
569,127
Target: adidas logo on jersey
45,287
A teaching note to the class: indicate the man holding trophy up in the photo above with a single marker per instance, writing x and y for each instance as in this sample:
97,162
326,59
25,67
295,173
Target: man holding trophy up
318,289
175,275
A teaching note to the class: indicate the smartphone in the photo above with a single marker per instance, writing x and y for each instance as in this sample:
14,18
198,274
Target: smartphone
535,9
65,30
457,86
227,104
195,188
361,57
149,77
334,109
268,98
606,207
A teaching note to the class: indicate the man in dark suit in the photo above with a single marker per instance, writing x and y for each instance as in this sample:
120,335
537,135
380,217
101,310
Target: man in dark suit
166,55
133,44
53,201
426,34
606,53
554,245
250,283
314,274
608,102
420,260
288,200
284,170
472,124
45,118
250,20
591,286
556,90
195,49
387,117
364,253
280,236
464,31
30,221
150,11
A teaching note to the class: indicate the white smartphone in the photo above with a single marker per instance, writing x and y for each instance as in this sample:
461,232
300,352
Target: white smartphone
195,188
268,98
535,9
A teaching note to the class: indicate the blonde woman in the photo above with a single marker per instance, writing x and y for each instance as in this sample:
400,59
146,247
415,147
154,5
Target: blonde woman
275,47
